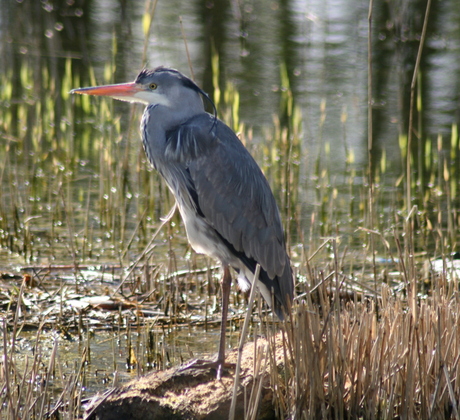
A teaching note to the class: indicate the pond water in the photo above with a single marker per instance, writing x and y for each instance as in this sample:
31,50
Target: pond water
76,188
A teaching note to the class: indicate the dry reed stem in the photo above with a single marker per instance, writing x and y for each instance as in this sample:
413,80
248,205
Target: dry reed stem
357,362
242,340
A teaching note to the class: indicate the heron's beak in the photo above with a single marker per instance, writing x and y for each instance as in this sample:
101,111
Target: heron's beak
122,91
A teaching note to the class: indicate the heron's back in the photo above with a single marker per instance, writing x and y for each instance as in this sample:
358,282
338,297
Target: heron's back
226,203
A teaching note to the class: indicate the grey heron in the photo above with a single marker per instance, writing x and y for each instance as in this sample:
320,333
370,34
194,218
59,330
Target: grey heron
225,201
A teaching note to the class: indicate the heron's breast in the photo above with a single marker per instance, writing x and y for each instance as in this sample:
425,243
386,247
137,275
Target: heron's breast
201,235
204,239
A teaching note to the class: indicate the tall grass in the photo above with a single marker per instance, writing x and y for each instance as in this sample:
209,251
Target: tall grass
373,332
357,362
359,347
75,184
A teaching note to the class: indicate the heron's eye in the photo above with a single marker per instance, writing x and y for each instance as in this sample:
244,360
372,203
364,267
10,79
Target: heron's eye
152,86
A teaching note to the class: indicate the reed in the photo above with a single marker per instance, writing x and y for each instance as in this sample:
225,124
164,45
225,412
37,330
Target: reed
373,332
357,345
349,359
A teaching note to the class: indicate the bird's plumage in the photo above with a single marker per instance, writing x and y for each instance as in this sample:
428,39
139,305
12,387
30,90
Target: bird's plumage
225,200
233,198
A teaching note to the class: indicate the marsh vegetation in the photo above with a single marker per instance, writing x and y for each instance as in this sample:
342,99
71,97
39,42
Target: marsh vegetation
95,289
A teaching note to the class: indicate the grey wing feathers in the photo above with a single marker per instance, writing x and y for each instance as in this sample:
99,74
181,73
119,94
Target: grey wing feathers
233,194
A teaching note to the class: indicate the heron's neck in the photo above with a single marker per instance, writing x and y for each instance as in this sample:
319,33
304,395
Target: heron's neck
157,121
153,131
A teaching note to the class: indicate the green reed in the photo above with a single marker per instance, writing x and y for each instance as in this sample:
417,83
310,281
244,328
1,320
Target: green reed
76,187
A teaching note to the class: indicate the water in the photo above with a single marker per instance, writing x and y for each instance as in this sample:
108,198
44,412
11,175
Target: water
75,185
106,360
324,46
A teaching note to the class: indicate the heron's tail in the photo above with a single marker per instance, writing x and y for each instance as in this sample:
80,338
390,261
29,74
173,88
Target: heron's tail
278,292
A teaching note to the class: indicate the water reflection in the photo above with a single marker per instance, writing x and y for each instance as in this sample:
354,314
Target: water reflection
323,45
48,47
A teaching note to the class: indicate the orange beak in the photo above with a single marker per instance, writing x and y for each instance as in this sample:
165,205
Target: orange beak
123,91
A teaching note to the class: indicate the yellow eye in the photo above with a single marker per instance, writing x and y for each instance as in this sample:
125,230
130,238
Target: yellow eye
152,86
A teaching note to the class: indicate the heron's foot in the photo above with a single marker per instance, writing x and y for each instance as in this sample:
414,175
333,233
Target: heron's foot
214,365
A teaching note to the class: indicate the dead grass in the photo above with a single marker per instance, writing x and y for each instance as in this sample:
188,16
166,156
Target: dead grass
364,361
389,352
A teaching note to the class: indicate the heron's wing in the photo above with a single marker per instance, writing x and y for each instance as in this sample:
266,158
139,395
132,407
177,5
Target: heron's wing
231,191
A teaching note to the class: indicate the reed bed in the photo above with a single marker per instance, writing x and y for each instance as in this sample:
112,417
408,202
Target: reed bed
374,329
373,333
371,358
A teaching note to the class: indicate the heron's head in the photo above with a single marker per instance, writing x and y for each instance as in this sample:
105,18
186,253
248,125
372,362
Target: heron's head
161,86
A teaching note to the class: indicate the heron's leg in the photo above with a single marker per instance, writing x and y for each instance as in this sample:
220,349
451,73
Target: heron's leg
219,364
226,285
